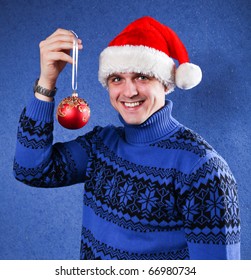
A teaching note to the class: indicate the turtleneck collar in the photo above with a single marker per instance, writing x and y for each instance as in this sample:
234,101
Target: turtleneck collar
160,124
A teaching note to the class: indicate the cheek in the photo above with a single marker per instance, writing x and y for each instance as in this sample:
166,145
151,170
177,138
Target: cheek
158,98
113,97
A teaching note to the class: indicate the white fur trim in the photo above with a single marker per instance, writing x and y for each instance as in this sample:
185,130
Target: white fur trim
188,75
139,59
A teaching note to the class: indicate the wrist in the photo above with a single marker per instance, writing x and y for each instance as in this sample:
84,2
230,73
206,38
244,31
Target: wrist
43,98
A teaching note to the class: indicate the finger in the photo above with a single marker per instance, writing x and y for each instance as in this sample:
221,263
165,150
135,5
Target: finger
60,37
65,41
57,46
59,56
62,34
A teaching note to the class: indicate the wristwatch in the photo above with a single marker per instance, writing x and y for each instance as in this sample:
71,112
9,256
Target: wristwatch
44,91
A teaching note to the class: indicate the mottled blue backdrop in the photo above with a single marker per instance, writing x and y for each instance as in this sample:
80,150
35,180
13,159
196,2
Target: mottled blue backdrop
46,223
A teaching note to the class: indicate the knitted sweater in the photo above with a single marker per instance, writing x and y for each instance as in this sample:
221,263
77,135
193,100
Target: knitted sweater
151,191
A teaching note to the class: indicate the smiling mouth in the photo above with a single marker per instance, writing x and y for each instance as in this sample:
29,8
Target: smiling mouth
132,104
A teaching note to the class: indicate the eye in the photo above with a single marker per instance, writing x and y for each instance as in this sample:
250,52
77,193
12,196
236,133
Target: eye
114,79
143,77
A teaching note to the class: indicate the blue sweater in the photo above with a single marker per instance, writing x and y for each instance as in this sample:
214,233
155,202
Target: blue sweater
152,191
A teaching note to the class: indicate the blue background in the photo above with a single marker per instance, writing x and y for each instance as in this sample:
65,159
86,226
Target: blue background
46,223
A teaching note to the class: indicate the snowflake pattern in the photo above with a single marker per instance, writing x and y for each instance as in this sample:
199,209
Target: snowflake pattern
148,200
126,193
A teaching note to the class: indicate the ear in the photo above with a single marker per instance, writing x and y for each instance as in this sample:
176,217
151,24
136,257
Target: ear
166,89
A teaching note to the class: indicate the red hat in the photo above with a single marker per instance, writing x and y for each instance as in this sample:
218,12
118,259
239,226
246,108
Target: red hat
146,46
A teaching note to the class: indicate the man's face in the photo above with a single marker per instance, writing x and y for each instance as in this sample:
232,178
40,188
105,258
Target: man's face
135,96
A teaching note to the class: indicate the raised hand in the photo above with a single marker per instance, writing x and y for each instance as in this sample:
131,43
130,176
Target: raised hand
54,55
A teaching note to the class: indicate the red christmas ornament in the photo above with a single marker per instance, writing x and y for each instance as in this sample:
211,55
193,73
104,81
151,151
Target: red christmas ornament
73,112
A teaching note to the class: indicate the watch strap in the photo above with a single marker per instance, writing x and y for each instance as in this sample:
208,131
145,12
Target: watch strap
44,91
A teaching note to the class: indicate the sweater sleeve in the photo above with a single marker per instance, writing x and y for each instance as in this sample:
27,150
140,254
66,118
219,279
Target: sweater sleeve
210,210
37,161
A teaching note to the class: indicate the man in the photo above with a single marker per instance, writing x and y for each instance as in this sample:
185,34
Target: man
154,189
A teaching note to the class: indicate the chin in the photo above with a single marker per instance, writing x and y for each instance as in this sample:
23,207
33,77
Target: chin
132,121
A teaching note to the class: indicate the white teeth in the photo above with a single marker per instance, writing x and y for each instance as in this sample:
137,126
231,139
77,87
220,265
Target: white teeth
132,104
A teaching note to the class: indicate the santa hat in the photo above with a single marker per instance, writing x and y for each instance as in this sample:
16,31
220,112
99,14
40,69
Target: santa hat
146,46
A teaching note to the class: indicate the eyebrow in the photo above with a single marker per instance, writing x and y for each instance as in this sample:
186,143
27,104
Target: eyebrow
112,76
134,74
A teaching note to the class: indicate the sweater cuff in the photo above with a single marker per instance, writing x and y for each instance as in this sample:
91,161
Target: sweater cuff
39,110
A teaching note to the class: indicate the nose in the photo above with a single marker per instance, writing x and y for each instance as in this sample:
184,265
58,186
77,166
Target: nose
130,89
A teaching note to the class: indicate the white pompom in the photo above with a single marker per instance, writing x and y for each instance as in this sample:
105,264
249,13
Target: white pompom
188,75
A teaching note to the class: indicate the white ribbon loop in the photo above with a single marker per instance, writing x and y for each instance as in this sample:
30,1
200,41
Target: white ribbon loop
75,63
